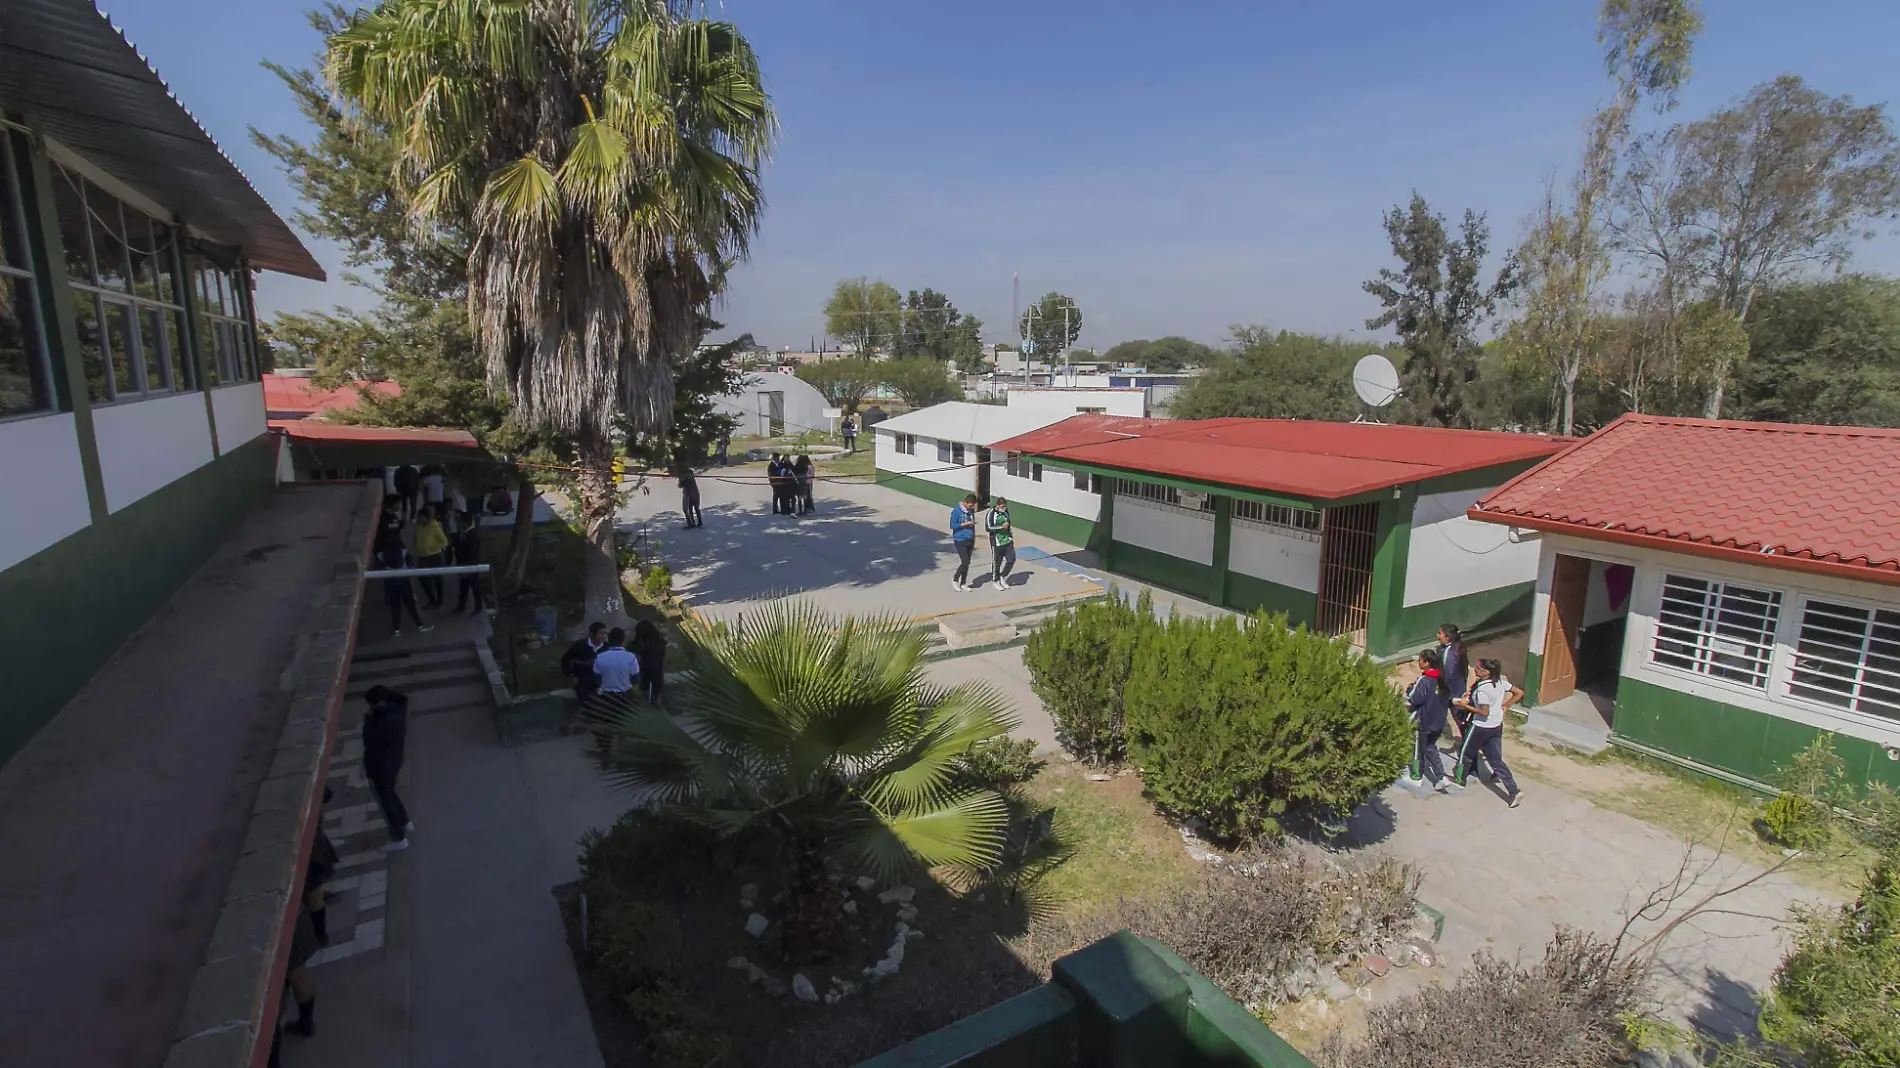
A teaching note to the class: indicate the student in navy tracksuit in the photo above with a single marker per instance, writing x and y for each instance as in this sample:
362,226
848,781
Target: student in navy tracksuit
1456,667
1489,700
1429,699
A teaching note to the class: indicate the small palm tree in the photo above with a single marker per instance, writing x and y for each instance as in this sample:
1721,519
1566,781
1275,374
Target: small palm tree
826,733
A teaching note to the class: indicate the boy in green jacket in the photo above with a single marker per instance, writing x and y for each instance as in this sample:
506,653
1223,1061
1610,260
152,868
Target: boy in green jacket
1002,543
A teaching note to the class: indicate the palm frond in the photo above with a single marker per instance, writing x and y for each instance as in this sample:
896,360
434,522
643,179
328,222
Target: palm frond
522,199
954,720
961,830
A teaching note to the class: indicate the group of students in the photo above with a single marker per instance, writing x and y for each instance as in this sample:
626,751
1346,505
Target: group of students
1442,700
963,522
441,536
791,481
385,733
605,662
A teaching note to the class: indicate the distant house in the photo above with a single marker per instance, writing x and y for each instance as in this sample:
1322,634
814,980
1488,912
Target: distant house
1080,400
1720,593
1350,528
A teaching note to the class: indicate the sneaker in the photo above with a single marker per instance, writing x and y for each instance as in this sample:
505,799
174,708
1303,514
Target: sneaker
398,634
1441,786
408,829
396,846
1515,798
958,586
1003,586
426,627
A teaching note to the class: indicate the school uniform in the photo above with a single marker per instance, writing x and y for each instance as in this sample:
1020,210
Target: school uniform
963,540
1485,736
1429,705
617,668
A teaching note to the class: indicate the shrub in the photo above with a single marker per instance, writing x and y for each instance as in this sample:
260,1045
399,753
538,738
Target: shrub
1079,662
1813,786
1834,998
1000,762
1794,821
658,581
1260,929
1569,1010
1244,723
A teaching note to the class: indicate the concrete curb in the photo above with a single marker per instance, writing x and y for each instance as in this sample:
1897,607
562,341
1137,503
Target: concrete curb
230,1012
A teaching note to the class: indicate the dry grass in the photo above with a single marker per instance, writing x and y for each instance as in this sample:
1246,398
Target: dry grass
1122,849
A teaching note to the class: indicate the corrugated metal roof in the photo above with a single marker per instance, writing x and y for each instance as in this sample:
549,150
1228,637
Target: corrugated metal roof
973,424
75,77
1322,461
1771,494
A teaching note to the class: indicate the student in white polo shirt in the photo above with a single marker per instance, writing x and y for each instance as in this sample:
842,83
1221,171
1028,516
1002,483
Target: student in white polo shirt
616,666
1487,703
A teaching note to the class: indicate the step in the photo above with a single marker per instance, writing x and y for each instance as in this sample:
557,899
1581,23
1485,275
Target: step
472,694
422,677
435,659
1545,729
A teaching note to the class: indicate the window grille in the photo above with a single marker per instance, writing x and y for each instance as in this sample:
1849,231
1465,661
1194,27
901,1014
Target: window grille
1716,629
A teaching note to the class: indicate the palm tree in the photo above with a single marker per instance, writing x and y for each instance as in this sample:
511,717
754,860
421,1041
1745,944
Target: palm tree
826,733
603,157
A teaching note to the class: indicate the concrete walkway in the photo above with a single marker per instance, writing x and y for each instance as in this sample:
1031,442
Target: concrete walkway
121,822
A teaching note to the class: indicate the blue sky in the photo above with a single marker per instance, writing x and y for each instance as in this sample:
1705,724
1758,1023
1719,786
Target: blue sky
1175,168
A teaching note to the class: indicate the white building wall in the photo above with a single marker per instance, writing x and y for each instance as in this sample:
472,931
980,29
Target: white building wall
1129,402
149,444
924,465
239,411
1266,553
804,405
1452,556
1645,600
1164,529
44,485
1056,492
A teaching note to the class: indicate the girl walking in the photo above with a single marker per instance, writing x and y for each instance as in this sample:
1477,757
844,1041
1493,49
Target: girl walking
804,474
649,650
1492,695
1429,699
1455,666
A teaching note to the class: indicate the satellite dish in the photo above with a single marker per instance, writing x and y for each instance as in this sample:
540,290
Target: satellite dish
1375,380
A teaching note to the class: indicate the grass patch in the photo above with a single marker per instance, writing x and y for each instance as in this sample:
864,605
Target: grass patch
862,463
1122,849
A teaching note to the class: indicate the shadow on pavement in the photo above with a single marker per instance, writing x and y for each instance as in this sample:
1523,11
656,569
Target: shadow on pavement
742,554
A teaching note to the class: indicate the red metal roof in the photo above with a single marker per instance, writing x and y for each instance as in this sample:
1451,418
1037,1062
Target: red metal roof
319,432
1810,498
1325,461
299,396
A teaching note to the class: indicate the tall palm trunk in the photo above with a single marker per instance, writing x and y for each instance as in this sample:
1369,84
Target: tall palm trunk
814,915
599,508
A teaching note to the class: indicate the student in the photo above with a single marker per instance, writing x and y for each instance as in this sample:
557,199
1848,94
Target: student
1451,654
1002,543
303,989
385,730
432,544
689,497
399,593
649,649
616,667
467,545
725,446
1488,701
390,524
434,488
775,476
578,662
963,539
849,428
408,481
1429,698
802,474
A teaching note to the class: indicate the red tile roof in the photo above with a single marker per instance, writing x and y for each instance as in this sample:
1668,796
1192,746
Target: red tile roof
287,397
1324,461
1810,498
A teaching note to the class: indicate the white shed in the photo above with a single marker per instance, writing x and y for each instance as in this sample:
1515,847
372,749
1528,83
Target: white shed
772,403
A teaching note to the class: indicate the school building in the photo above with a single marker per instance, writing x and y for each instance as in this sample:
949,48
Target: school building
1718,594
1355,529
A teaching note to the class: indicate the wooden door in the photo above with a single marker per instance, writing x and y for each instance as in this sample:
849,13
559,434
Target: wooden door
1348,540
1563,628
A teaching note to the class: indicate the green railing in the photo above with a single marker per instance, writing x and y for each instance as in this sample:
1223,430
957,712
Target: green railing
1122,1002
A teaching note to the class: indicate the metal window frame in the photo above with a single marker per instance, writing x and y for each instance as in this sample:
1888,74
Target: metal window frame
1785,678
1703,653
40,362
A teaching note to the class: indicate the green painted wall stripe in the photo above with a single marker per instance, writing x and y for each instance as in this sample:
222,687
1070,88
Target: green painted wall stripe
948,496
62,334
70,606
1071,529
1384,625
1223,545
1245,593
1160,569
1737,740
1484,612
1533,679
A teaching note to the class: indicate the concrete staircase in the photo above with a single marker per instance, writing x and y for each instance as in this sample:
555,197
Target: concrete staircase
442,678
1547,729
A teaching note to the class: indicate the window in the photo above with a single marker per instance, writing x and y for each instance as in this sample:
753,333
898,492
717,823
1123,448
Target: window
1716,629
1013,462
956,454
126,302
943,452
1283,518
1091,411
224,296
1147,491
905,444
1848,657
26,373
1035,472
1082,480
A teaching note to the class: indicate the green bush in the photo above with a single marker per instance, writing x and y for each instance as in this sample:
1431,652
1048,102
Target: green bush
1078,665
1243,723
1833,1000
658,581
1813,786
1000,762
1793,821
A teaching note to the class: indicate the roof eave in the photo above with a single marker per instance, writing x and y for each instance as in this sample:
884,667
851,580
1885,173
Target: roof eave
1782,561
